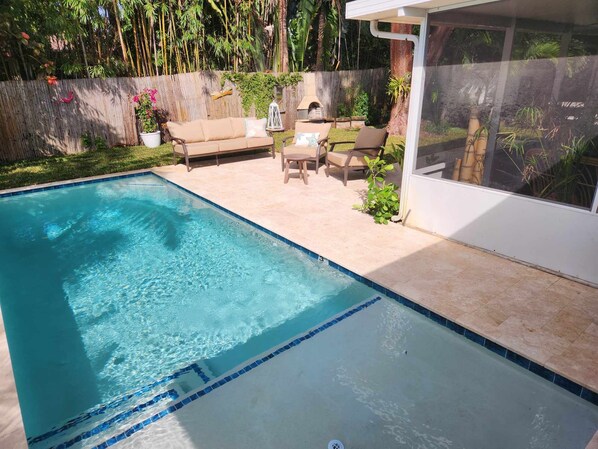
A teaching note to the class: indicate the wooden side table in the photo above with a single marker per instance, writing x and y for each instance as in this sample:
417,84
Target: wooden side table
301,160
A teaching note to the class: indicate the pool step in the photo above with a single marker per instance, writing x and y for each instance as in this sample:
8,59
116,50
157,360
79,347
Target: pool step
107,419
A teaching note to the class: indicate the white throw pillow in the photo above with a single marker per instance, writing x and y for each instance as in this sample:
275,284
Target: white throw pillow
307,139
255,128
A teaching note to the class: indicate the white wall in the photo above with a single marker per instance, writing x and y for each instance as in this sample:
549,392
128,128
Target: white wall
550,235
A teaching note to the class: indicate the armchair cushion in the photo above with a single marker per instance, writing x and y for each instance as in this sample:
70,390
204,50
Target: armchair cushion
340,159
308,151
307,127
370,138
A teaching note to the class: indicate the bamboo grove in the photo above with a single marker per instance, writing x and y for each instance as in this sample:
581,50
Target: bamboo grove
105,38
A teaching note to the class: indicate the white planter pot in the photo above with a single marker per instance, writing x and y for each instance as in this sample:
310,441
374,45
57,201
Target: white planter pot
151,140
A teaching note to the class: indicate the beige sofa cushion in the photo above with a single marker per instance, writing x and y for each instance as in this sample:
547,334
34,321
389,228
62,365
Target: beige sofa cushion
197,149
259,142
220,129
188,131
238,126
340,159
307,127
308,151
231,144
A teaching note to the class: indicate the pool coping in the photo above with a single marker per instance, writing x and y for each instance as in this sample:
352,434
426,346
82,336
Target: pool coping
502,351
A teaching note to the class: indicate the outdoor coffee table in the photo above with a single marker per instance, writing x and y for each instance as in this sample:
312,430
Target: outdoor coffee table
301,160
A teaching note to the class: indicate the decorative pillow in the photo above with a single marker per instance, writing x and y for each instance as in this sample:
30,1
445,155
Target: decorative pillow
307,139
255,128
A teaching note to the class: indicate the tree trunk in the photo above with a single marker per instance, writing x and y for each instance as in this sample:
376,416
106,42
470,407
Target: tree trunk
401,62
283,46
120,32
320,51
439,36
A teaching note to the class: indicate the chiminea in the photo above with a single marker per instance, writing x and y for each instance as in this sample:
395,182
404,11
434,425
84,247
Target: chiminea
310,107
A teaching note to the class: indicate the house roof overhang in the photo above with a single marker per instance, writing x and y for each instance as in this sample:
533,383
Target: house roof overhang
402,11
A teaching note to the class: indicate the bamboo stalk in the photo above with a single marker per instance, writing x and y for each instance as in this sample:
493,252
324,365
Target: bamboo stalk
457,170
469,154
480,155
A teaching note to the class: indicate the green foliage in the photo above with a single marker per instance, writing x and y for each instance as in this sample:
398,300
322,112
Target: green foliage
86,141
547,150
299,28
342,110
100,38
399,87
394,153
361,106
381,201
89,142
100,143
257,89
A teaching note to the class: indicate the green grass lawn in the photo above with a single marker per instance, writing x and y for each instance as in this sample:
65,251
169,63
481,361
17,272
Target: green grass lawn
113,160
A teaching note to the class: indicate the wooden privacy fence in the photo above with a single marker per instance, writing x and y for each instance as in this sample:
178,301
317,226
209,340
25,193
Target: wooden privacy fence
37,119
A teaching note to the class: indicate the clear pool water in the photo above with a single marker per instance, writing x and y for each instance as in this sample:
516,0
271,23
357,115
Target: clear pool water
105,287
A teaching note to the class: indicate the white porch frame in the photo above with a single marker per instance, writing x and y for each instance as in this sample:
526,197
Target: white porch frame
556,236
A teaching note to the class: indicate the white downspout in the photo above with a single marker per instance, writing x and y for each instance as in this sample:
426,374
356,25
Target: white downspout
392,36
415,100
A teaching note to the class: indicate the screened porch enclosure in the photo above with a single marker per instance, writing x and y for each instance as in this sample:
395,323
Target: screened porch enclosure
512,101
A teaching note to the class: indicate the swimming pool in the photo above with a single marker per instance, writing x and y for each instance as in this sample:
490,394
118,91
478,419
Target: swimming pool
106,287
139,222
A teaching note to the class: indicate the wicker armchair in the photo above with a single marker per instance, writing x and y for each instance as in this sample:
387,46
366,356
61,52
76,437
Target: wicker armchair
369,142
315,153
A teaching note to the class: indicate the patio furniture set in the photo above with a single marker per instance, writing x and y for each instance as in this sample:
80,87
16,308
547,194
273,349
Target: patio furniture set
310,143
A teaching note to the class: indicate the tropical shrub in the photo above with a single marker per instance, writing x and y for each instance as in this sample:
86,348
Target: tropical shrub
381,200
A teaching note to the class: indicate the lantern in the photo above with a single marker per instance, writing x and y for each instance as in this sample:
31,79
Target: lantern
274,120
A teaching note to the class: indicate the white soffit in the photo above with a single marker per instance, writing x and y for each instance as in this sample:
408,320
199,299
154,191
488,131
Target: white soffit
402,11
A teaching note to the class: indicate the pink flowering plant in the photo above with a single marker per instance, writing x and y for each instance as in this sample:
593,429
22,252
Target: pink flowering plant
146,110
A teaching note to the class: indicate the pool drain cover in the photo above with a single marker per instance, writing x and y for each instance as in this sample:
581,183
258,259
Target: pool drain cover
335,444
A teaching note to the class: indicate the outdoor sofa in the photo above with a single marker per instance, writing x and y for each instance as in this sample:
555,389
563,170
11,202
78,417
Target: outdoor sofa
199,138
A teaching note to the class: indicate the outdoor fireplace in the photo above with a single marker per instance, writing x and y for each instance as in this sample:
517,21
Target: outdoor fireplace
310,107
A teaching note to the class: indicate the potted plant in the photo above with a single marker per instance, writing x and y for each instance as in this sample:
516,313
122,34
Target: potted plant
146,112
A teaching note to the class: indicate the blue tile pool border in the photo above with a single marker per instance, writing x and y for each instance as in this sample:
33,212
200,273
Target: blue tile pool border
170,394
254,364
104,408
492,346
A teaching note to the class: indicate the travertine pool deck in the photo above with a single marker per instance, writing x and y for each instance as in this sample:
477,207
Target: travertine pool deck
551,320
